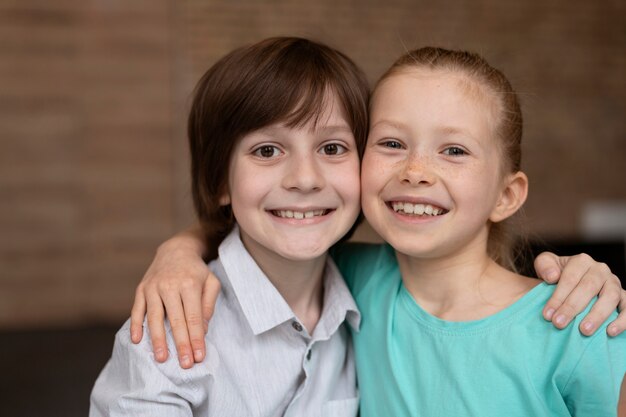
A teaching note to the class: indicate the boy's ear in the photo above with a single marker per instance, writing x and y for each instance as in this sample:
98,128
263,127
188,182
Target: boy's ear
512,197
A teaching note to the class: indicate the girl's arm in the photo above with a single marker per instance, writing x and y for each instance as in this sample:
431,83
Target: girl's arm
179,280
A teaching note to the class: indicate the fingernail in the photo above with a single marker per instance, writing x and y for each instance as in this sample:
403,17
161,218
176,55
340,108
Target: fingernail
550,313
185,360
560,320
612,329
197,355
134,335
587,326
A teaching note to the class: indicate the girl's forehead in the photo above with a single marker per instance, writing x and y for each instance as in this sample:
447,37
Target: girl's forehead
417,83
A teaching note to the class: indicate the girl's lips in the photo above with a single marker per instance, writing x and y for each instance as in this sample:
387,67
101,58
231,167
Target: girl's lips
416,209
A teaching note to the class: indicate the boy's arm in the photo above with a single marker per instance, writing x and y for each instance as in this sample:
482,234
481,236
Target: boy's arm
581,279
179,279
180,283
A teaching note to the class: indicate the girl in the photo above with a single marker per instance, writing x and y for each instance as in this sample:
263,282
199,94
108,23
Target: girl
452,330
275,133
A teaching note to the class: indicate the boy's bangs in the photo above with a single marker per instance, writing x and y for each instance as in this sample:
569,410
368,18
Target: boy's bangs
310,103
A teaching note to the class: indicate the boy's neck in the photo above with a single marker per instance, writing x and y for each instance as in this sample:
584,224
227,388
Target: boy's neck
464,286
300,283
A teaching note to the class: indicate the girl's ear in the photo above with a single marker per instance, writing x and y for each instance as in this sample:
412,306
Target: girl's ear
224,199
512,197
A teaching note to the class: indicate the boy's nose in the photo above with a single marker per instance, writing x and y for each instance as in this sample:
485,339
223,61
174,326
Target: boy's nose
417,170
304,175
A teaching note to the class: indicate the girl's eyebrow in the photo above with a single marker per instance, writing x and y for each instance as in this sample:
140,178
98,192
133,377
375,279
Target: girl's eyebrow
389,123
453,130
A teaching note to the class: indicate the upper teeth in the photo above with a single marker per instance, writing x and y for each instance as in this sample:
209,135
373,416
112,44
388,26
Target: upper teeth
419,209
290,214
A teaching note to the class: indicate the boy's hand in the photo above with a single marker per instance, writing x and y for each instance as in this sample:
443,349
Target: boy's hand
580,278
178,281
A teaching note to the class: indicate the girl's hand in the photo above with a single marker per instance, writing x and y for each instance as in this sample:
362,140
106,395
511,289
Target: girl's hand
580,279
177,281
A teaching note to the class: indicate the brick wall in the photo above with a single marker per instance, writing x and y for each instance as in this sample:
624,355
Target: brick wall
93,100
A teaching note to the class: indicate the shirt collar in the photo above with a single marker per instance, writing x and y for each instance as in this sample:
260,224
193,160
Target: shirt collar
262,304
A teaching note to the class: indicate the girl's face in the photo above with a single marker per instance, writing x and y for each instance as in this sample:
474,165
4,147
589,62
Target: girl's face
430,174
295,191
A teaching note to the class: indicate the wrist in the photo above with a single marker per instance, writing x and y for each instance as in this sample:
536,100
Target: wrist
183,243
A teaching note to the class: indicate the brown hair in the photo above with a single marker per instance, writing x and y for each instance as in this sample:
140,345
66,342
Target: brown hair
278,79
508,129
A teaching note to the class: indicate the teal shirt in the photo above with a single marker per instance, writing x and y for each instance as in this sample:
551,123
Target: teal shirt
513,363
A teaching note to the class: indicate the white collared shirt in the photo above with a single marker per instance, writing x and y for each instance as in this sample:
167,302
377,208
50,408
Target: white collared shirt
260,359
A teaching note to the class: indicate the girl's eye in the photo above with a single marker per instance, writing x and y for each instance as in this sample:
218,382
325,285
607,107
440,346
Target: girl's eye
267,151
393,144
454,151
333,149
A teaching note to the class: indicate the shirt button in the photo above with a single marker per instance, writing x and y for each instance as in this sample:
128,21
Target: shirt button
308,355
296,326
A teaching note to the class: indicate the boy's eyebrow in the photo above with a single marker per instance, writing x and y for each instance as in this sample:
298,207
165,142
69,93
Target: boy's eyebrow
335,127
268,130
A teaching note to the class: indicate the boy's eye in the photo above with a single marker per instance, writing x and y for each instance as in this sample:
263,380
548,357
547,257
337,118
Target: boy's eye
333,149
267,151
454,151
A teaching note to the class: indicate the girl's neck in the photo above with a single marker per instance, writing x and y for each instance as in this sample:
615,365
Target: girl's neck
299,282
467,285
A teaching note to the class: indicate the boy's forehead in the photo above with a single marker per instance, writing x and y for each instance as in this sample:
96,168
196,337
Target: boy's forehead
328,113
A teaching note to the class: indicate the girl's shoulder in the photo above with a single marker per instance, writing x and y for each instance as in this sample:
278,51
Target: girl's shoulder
362,262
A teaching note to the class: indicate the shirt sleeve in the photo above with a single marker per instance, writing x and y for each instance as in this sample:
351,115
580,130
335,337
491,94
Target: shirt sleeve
594,386
133,384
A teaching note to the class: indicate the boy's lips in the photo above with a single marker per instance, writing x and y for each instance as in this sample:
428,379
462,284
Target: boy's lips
300,214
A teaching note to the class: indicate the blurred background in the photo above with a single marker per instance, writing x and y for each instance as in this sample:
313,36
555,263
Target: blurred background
94,167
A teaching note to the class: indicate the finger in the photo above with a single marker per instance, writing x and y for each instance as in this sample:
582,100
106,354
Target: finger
137,315
210,292
192,305
591,283
156,326
619,324
572,272
176,315
602,309
548,266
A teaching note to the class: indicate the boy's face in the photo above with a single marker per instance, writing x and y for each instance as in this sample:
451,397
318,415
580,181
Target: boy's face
295,191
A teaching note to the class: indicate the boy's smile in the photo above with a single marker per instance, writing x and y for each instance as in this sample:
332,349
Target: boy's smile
295,190
430,175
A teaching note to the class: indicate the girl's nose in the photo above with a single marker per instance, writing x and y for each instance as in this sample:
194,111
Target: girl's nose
303,174
417,170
